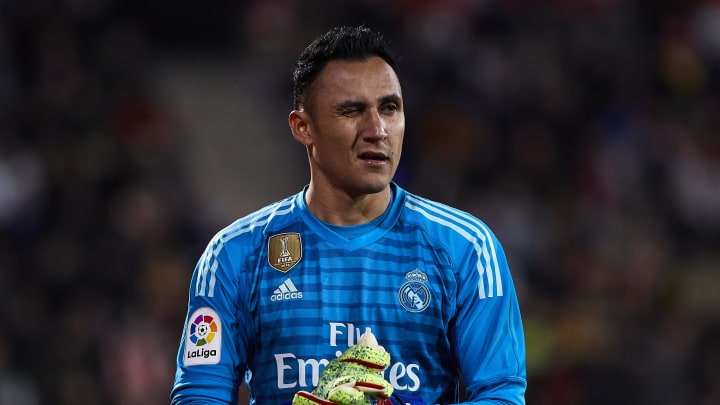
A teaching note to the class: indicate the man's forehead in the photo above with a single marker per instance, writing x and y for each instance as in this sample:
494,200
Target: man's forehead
372,78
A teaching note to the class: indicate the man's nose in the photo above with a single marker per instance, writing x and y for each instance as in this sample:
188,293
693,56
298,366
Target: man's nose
374,126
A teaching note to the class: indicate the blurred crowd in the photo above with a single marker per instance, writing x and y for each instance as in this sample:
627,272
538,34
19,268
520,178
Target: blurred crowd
584,132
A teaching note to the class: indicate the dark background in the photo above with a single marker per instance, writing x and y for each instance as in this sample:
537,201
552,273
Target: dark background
584,132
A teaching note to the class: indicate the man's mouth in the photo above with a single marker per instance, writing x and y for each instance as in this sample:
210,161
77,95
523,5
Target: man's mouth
373,157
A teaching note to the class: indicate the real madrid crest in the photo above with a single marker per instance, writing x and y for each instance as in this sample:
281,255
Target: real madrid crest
284,251
414,295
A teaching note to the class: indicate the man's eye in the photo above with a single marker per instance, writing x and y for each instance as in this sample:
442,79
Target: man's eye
390,107
348,112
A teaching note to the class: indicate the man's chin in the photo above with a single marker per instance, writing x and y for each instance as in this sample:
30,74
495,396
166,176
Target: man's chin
376,187
370,188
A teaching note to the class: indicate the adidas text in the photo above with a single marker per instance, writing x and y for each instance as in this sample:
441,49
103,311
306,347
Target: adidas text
286,296
286,291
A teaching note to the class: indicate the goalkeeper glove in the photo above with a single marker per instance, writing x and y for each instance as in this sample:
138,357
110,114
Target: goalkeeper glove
353,378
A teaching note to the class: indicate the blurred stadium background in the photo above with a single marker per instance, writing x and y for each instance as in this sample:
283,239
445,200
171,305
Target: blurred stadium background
584,132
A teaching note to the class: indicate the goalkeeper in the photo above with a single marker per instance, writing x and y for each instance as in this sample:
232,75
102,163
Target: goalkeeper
279,299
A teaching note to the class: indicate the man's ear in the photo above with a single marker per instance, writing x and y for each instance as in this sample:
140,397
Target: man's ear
300,126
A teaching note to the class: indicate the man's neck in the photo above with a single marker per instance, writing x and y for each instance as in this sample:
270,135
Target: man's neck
340,208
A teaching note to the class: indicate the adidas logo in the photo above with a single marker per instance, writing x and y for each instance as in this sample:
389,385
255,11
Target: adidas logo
286,291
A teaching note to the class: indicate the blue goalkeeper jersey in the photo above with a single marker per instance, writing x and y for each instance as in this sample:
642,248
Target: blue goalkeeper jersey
279,293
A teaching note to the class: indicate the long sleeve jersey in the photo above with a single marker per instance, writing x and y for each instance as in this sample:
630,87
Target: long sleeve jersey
278,293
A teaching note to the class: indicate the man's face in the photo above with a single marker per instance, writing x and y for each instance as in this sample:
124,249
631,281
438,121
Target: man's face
356,125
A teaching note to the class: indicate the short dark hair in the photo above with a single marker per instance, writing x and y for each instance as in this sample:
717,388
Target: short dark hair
340,43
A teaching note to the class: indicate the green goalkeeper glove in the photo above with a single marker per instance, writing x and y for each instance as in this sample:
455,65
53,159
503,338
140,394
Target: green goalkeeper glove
353,378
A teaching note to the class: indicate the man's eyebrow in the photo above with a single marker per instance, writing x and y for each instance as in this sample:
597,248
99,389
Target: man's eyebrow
350,104
391,98
356,104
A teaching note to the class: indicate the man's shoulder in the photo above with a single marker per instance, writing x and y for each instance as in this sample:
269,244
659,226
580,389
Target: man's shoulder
442,219
436,211
255,224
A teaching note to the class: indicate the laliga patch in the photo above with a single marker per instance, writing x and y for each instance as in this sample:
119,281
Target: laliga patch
284,251
414,295
203,338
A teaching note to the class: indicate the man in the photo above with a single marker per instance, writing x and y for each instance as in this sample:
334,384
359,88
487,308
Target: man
283,291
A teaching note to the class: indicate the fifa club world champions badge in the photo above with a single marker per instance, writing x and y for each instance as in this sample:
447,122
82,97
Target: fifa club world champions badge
284,251
414,295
